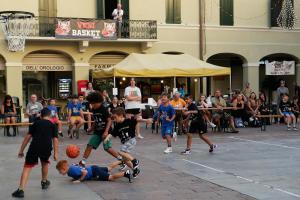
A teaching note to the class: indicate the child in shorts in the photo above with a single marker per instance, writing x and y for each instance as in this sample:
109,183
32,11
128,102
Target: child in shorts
75,117
285,109
101,128
125,130
43,133
94,172
166,114
197,125
54,116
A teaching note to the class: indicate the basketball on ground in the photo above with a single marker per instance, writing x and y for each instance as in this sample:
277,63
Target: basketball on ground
72,151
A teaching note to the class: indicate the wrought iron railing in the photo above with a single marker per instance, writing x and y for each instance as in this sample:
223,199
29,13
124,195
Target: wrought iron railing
128,29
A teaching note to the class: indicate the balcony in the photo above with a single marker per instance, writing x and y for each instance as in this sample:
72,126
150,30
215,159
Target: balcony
42,28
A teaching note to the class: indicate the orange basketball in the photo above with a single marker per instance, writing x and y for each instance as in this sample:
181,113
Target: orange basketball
72,151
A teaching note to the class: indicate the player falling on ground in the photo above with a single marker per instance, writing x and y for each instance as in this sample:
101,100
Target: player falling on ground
101,128
197,125
94,172
43,133
125,130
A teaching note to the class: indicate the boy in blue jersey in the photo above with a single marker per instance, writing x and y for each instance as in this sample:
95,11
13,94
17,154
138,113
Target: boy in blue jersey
75,117
94,172
166,114
54,116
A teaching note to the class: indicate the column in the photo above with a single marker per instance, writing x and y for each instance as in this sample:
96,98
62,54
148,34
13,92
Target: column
197,86
251,75
298,73
80,72
14,83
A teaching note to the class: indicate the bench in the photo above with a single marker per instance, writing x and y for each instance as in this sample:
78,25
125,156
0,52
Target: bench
264,123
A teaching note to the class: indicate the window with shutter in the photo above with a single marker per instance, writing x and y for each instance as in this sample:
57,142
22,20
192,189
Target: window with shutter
275,11
226,13
173,11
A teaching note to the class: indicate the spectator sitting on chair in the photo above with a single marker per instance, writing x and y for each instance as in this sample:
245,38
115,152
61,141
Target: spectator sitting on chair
296,107
75,116
33,109
219,102
285,109
178,102
206,114
8,109
253,107
107,100
85,106
54,116
263,107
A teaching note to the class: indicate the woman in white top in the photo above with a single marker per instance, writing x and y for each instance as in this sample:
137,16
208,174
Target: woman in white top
133,104
89,89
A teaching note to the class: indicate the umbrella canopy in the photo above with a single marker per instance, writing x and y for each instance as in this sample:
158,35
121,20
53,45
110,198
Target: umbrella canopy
162,65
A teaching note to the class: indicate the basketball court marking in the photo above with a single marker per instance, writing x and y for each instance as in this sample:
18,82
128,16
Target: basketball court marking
243,178
264,143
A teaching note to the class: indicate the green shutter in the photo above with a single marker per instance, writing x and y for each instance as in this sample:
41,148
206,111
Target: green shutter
125,7
177,11
100,9
226,12
173,11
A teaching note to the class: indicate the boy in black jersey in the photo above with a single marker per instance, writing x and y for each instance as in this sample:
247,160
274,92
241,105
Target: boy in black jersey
125,130
197,125
101,128
43,133
285,109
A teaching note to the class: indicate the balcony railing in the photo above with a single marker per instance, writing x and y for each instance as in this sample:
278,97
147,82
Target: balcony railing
128,29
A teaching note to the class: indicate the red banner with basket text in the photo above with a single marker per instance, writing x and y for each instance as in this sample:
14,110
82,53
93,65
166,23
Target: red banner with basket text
86,29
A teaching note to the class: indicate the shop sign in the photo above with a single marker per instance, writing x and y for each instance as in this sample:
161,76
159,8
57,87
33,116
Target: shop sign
280,68
86,29
101,66
47,68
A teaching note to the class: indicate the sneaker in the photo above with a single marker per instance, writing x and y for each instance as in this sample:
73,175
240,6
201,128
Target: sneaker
45,184
212,147
135,163
136,172
168,150
128,175
186,152
70,133
61,134
122,166
175,136
18,193
295,129
82,163
289,128
140,137
212,125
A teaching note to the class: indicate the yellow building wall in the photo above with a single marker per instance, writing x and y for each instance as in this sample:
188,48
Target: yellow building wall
76,8
20,5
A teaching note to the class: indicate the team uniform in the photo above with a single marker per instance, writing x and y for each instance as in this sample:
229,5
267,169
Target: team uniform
126,132
75,111
197,123
42,132
100,121
94,172
167,127
53,116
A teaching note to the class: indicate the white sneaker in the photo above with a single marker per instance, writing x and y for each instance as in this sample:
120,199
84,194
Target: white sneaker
289,128
212,125
168,150
295,129
175,136
140,137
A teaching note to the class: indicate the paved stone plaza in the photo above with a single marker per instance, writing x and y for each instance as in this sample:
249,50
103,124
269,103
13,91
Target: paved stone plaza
249,165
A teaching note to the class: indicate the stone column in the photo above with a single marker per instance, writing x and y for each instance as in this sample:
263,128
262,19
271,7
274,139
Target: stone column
251,75
80,72
14,81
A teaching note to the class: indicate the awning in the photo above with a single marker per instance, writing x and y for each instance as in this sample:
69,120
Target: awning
162,65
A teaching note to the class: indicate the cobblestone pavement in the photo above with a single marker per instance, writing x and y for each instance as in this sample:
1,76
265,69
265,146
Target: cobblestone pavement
249,165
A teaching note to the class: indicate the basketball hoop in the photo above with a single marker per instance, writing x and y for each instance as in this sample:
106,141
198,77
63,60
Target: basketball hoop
287,17
16,25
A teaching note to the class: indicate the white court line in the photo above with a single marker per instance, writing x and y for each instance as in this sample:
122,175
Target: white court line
243,178
265,143
217,170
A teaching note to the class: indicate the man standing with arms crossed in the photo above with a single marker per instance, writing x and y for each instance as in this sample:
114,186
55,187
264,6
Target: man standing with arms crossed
133,104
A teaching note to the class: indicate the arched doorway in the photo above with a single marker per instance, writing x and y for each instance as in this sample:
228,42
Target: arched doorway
235,62
269,83
2,79
47,74
106,60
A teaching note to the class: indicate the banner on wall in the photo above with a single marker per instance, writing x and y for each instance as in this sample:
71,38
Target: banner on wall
91,29
280,68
